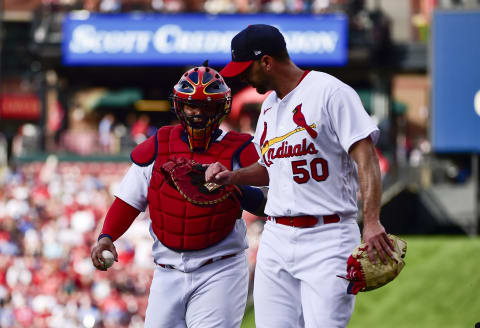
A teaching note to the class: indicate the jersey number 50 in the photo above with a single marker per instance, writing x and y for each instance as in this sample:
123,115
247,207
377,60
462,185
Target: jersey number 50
301,174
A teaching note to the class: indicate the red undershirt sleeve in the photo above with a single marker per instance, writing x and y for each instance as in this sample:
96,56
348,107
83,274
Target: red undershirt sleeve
119,218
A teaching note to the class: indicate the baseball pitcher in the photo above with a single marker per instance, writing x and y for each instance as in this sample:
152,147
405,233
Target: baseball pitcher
316,147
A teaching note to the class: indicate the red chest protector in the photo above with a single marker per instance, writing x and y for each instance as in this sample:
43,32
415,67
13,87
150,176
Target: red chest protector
178,224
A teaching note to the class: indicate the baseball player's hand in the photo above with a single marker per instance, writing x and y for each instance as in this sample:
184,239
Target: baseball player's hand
375,237
219,174
103,244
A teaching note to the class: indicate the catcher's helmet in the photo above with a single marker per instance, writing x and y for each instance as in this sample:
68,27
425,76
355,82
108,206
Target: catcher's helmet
204,88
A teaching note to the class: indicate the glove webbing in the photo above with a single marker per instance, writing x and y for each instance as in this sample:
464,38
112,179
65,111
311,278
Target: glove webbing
209,202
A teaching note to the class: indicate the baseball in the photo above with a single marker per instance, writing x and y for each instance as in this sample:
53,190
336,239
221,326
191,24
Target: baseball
108,258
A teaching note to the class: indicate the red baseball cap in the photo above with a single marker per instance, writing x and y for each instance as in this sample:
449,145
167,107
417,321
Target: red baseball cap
252,43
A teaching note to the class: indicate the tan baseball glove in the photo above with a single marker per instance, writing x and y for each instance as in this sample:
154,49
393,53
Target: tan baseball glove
188,177
364,275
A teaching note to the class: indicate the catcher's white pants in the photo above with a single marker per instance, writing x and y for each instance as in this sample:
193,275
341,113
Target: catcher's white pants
295,276
214,295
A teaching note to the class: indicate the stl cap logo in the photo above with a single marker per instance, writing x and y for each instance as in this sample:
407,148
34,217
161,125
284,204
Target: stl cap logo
233,54
257,52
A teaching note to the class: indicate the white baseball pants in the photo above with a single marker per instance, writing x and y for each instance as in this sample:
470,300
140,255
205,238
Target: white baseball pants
295,276
214,295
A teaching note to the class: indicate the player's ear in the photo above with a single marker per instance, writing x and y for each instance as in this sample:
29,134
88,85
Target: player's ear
266,63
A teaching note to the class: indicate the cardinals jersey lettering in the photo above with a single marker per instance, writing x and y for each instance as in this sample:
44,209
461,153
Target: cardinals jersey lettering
303,140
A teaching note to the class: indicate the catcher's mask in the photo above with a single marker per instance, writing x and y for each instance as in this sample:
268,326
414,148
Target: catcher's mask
201,99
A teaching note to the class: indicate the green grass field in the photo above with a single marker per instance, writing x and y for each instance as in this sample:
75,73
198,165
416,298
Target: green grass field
439,287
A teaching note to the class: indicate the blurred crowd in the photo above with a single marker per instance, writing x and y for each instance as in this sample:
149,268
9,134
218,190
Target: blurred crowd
216,6
50,216
108,136
208,6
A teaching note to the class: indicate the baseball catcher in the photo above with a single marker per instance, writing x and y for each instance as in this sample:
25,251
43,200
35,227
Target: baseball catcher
365,275
199,238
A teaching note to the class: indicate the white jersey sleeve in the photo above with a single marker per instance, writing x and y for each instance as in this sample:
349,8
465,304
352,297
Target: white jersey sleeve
350,121
133,189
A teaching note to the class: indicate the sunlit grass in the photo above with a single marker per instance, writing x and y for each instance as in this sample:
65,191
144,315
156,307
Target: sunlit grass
439,287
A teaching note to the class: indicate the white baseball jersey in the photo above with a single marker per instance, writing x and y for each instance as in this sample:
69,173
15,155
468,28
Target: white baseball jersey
134,189
303,140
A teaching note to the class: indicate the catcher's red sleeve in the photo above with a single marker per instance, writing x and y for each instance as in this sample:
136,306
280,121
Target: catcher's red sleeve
119,218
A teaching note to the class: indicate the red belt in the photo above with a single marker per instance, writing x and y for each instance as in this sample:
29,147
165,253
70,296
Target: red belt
210,261
305,221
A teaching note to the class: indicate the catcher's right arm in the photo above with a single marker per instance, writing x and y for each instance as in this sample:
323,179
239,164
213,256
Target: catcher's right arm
364,275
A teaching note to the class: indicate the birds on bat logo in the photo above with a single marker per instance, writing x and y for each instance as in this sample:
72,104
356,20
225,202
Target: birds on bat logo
284,149
298,119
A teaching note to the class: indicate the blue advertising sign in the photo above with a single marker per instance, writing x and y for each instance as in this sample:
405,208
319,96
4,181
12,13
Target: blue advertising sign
186,39
456,82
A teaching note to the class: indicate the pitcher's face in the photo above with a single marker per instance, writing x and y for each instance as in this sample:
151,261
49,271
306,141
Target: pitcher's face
256,77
